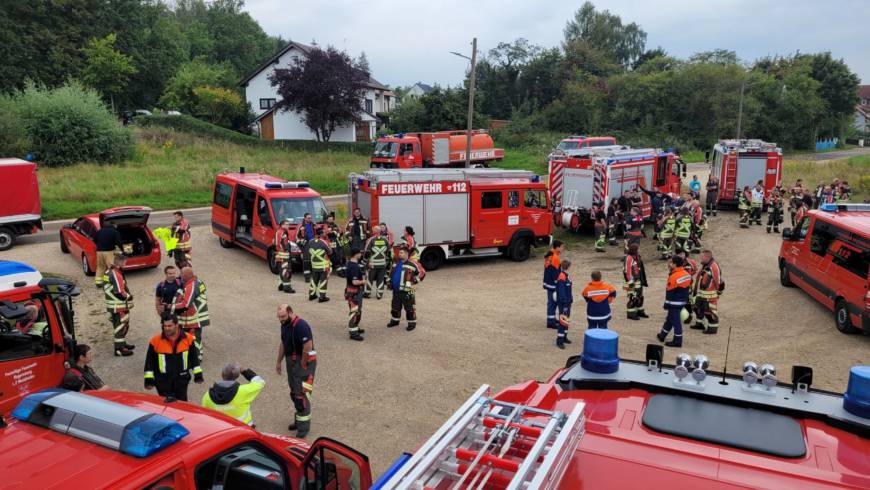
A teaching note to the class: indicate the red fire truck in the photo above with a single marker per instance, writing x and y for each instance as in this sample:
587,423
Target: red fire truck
577,142
596,175
458,213
739,163
439,149
20,207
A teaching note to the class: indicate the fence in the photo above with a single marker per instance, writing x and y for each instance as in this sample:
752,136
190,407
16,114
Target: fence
823,145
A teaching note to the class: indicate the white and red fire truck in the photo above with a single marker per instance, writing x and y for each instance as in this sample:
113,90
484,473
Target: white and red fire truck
590,176
740,163
457,213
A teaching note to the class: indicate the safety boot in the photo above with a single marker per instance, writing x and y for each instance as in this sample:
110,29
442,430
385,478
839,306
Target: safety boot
567,340
642,314
632,315
323,299
661,336
123,352
674,343
357,337
393,323
289,289
776,229
697,326
711,330
312,297
411,326
560,345
292,426
768,229
129,346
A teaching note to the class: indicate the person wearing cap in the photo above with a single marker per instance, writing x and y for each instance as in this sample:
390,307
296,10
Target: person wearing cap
564,300
283,243
171,358
404,278
119,302
232,398
353,293
296,352
598,295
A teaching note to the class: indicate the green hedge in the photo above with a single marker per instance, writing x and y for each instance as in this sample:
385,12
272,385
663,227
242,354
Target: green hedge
192,125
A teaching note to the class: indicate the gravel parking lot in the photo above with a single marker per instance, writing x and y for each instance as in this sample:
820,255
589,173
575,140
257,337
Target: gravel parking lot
480,321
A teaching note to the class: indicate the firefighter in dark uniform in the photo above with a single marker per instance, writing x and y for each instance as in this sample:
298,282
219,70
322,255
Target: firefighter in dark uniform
320,267
191,306
684,231
710,286
712,195
743,206
172,356
336,241
304,235
564,299
181,230
635,280
353,293
666,233
676,298
297,353
404,278
378,255
599,217
167,289
357,229
552,266
283,244
633,228
774,216
119,302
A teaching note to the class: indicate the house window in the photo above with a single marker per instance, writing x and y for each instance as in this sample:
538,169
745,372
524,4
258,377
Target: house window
369,106
267,103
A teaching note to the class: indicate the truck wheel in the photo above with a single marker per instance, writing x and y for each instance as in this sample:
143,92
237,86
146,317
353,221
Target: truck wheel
63,246
7,239
225,243
842,319
432,258
86,268
273,264
785,277
520,250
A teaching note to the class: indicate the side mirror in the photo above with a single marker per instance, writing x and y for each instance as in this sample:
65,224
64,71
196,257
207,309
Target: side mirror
68,226
707,156
786,234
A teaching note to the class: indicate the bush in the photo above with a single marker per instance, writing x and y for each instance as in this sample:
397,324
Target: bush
71,124
13,139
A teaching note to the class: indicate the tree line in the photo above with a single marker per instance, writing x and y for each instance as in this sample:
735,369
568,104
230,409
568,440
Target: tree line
604,79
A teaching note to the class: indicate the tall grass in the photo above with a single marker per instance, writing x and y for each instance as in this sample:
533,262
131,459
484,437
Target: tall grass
854,170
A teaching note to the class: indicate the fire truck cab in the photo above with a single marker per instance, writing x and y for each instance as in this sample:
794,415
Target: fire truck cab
248,208
590,176
37,333
740,163
457,213
578,142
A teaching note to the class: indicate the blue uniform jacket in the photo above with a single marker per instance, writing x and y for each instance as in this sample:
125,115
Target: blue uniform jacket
564,295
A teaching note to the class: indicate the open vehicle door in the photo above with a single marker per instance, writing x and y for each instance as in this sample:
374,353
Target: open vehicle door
331,465
129,215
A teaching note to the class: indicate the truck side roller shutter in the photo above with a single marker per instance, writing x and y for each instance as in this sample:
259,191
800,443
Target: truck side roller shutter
441,150
446,218
400,211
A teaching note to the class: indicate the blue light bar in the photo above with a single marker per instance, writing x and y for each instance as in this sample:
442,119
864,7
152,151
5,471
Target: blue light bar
287,185
147,436
29,403
856,400
600,351
830,207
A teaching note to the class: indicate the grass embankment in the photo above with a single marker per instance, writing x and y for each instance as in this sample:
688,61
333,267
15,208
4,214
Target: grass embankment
854,170
172,170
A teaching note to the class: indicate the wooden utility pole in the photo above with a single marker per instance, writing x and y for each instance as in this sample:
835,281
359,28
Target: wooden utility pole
470,102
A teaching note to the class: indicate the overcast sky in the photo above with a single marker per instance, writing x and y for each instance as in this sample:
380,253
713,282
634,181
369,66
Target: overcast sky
409,41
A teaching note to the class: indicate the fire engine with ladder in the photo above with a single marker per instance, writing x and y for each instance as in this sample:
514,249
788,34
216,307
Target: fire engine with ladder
586,177
457,213
740,163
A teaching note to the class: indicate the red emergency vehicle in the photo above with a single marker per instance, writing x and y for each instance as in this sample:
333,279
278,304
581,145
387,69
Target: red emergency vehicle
37,333
457,213
20,207
740,163
586,177
577,142
439,149
827,255
248,207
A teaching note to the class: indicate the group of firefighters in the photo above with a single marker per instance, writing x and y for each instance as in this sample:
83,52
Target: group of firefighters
367,257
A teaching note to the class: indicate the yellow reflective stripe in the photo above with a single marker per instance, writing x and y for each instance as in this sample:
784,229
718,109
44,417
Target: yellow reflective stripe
197,369
307,386
303,418
161,363
149,374
184,360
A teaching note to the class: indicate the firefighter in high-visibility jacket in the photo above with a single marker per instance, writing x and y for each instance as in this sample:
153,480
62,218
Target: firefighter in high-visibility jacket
691,266
283,244
598,295
633,228
357,229
191,306
564,300
552,266
710,286
296,352
635,280
668,227
319,251
378,254
404,278
337,241
232,398
119,302
600,221
181,230
676,298
683,231
172,356
774,215
756,204
743,200
305,234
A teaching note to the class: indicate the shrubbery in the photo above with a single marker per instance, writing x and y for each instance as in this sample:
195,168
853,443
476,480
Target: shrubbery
63,126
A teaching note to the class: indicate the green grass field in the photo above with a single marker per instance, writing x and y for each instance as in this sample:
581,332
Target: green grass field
855,170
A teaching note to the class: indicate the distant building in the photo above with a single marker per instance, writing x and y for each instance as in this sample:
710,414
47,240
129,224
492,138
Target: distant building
280,125
417,90
862,110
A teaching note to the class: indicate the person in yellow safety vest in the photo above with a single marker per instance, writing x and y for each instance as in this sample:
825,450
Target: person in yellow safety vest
756,204
119,302
683,232
181,230
283,243
191,306
232,398
743,206
668,227
378,254
319,251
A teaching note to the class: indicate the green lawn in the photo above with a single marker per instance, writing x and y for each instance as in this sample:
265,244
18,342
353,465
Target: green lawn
855,170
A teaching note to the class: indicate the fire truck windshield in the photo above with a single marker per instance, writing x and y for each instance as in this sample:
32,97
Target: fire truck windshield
294,209
385,149
568,145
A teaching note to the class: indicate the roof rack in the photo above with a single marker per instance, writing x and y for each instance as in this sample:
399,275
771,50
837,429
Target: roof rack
490,444
748,145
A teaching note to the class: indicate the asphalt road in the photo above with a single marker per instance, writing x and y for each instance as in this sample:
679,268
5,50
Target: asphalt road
834,155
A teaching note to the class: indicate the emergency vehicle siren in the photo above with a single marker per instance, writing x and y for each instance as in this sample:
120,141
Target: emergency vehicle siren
125,429
600,351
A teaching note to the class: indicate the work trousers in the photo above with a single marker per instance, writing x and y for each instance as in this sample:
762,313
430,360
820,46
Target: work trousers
774,218
672,322
120,327
377,281
552,321
682,244
562,329
600,237
744,217
707,312
404,300
298,378
197,339
598,323
306,263
182,257
285,273
635,301
755,214
104,260
319,281
354,297
667,246
712,206
174,386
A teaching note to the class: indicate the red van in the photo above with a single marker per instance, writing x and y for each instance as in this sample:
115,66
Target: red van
828,256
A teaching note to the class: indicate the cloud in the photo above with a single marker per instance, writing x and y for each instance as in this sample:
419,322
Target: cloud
410,41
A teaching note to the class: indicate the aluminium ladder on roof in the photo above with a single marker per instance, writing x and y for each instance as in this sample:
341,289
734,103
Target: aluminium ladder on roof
490,444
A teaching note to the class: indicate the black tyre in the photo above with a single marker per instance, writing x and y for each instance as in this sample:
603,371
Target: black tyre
785,277
86,268
63,246
273,264
432,258
842,319
225,243
7,239
521,249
